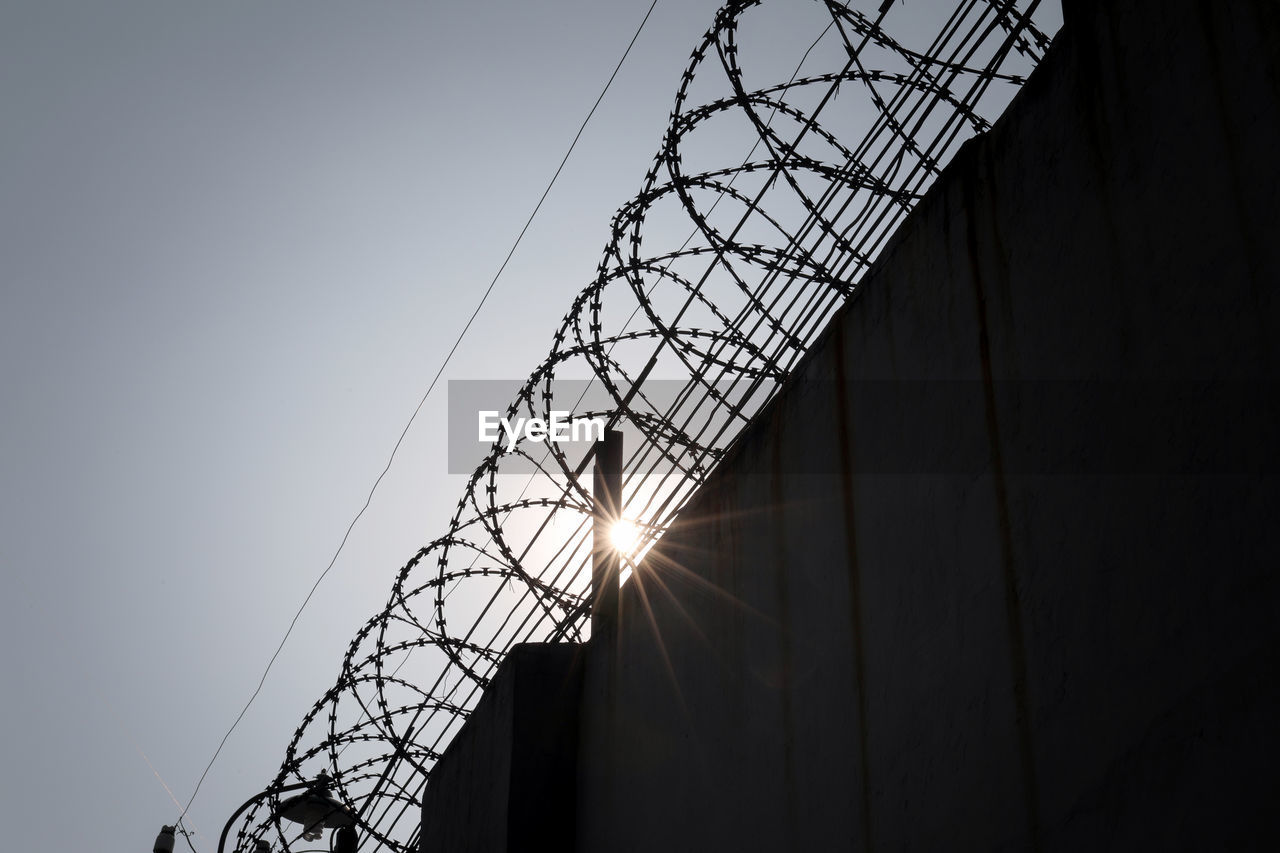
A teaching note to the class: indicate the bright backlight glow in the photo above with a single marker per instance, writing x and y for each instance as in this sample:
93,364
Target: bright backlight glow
624,535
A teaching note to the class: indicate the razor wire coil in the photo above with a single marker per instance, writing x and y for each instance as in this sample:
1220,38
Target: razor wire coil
779,241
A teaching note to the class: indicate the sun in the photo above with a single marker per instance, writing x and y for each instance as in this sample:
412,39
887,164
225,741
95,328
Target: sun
624,535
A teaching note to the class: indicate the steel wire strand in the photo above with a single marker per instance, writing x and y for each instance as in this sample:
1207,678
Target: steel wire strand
383,731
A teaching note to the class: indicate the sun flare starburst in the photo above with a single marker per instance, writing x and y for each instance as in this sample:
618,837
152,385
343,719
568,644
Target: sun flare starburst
624,535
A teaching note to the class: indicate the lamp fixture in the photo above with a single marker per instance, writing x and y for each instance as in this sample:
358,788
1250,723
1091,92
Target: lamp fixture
316,809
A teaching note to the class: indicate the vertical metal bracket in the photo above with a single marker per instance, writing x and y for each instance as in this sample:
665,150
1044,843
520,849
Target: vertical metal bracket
607,510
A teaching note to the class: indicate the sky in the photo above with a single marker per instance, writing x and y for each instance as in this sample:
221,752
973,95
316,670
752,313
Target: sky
238,239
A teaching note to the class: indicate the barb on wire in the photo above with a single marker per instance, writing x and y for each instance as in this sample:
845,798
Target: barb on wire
837,158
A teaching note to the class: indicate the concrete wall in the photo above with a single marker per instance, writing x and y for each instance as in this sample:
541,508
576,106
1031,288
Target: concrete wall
507,781
1034,607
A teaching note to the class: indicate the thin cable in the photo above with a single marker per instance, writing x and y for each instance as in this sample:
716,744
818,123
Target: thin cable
435,379
760,341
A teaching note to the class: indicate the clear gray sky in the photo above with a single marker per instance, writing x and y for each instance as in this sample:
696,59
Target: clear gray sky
236,241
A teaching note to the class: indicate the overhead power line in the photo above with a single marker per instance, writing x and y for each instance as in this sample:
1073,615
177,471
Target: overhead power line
412,417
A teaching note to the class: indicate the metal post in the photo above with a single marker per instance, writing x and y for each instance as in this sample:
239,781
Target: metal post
605,562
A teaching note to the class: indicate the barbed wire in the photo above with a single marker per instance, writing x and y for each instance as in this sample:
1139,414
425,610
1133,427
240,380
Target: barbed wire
779,241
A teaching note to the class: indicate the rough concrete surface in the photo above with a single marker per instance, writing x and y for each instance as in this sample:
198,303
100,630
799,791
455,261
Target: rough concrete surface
1035,607
997,570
